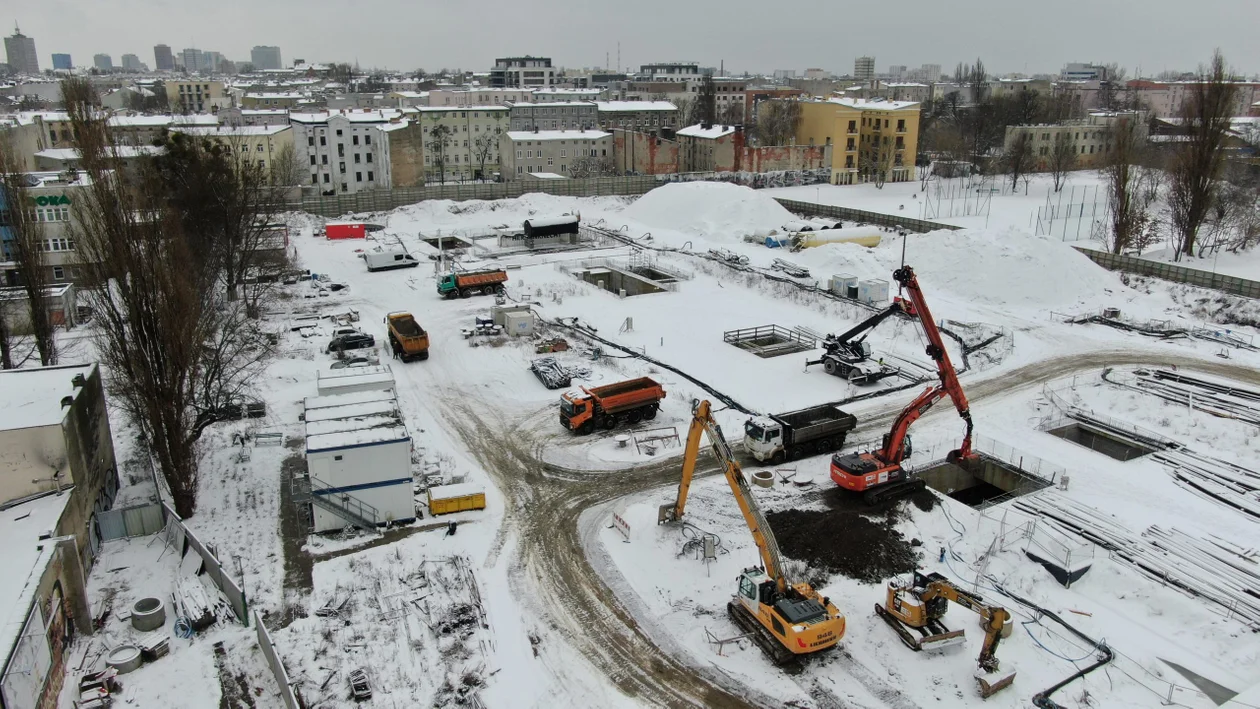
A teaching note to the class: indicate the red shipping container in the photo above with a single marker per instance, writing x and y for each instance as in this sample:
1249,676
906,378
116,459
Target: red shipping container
346,230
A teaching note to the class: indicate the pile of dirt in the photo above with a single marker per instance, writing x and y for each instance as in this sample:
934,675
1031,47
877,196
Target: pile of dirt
850,538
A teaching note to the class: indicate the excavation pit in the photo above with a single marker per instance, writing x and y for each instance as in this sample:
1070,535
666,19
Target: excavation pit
1101,442
770,340
619,282
981,483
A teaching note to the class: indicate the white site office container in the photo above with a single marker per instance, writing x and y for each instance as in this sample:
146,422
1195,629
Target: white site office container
844,285
518,324
873,292
358,454
352,379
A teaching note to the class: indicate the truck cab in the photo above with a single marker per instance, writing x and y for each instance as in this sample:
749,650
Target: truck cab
575,410
447,284
763,438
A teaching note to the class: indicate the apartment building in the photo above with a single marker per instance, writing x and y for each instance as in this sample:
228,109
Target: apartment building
863,131
264,145
265,57
462,143
144,130
478,96
273,99
644,116
253,116
163,59
672,71
523,72
344,151
864,68
202,96
552,115
1164,99
52,197
1089,137
582,153
725,148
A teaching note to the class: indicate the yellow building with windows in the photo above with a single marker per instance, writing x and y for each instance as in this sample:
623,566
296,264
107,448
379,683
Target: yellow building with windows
866,135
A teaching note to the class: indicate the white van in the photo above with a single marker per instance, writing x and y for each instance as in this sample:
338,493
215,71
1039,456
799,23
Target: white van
385,260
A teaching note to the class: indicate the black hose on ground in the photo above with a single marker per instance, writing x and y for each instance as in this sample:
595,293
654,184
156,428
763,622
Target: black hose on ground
1042,699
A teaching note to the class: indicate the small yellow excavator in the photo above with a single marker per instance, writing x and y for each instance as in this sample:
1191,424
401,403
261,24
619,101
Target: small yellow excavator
920,607
786,620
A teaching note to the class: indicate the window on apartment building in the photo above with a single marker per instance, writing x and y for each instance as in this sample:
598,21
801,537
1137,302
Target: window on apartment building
367,140
1045,151
342,167
848,161
369,158
341,150
260,147
518,155
59,273
344,187
520,170
605,152
356,158
528,154
244,148
312,159
564,168
901,142
465,144
550,162
371,176
323,159
1091,150
338,131
564,153
1045,136
326,179
1082,150
594,153
886,122
358,177
323,140
314,179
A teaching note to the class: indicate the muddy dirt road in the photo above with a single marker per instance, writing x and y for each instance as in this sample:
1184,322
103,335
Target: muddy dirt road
549,569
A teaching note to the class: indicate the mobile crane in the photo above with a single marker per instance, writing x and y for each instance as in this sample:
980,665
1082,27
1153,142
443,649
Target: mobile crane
786,620
929,598
878,474
849,358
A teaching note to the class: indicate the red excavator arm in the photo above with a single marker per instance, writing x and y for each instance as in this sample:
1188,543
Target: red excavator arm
945,369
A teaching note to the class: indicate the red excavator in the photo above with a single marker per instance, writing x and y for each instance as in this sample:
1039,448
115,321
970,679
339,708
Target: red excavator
878,474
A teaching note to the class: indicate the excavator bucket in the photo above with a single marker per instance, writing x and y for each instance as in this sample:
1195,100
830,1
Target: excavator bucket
665,513
990,683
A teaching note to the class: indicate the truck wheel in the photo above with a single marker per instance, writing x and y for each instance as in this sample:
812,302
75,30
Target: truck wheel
450,295
822,446
797,452
829,366
500,290
777,458
586,428
424,355
649,412
634,417
839,443
609,422
465,292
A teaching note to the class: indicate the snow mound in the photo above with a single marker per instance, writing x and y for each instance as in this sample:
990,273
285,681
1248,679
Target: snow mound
709,209
994,267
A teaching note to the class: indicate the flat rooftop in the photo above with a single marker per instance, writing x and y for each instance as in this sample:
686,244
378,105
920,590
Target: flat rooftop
21,526
31,398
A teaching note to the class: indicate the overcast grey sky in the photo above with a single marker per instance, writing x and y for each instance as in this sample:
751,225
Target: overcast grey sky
757,36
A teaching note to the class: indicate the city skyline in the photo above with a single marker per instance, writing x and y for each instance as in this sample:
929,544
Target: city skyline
931,34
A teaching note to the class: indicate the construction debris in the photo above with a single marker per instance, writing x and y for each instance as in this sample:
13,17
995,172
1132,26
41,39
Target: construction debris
360,685
551,373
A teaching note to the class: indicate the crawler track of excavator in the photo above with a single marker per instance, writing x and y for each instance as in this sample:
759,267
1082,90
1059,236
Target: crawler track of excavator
935,635
892,491
783,658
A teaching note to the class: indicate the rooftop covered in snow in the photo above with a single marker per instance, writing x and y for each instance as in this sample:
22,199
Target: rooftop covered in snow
31,398
874,104
711,132
557,135
634,106
25,559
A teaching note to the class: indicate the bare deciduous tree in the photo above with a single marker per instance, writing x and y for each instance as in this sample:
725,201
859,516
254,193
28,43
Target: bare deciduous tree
26,248
592,166
706,101
877,159
1018,158
777,121
1126,210
1196,163
483,147
180,354
436,146
1062,159
732,113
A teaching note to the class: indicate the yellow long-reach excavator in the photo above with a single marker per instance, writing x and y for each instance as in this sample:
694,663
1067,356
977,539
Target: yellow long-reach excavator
921,606
786,620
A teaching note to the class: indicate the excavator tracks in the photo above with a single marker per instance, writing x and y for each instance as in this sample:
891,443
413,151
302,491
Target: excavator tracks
783,658
892,491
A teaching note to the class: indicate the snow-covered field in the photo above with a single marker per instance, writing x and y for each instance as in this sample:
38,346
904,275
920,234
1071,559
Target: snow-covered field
573,616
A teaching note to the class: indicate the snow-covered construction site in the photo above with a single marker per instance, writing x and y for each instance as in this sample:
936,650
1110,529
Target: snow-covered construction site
625,453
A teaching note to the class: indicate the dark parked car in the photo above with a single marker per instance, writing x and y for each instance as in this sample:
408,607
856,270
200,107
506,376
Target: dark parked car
350,342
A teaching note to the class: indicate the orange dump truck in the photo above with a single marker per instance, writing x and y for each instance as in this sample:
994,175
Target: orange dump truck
629,402
406,338
462,285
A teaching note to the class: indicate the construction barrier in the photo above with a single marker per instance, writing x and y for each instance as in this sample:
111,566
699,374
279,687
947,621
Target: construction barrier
134,521
1172,272
181,538
277,667
892,221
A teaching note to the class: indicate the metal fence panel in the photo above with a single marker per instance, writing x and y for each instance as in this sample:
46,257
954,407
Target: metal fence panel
277,667
135,521
214,569
917,226
1172,272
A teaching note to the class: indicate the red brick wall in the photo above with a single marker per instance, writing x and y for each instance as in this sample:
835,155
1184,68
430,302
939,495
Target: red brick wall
644,153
